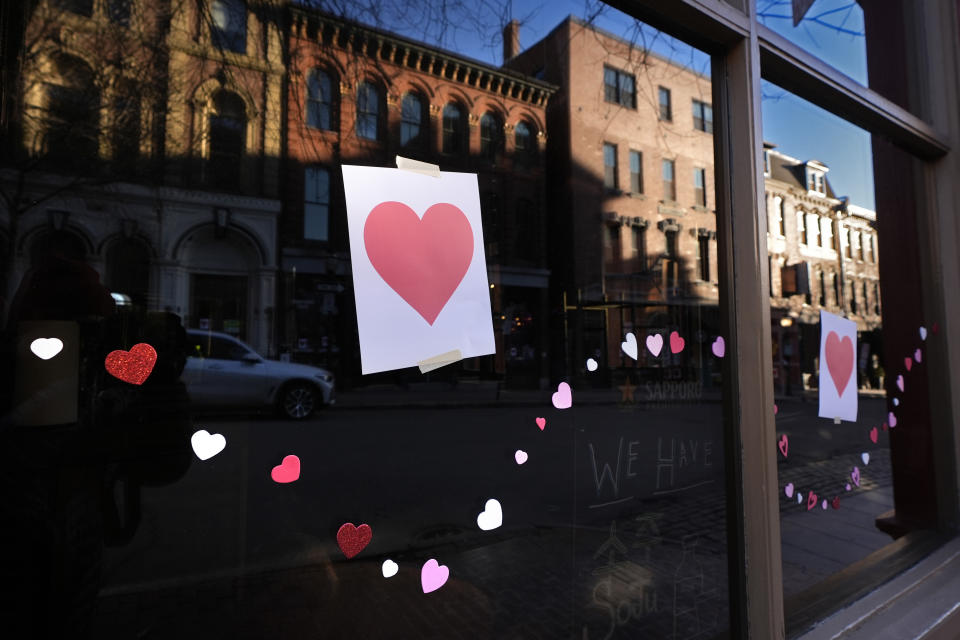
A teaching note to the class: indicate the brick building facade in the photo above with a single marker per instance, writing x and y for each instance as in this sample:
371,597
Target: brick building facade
357,95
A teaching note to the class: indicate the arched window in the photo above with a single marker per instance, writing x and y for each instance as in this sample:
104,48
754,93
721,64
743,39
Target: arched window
368,111
227,139
71,113
491,136
320,100
524,144
453,131
411,121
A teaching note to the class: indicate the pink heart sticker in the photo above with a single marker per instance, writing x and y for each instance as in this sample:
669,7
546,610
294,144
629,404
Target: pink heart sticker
562,399
788,490
655,344
892,419
423,259
855,475
823,505
873,435
719,347
908,363
676,342
542,422
811,500
784,445
917,355
839,360
848,486
286,471
776,409
900,382
433,575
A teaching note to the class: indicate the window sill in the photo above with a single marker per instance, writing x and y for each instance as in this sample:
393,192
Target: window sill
638,196
701,208
919,577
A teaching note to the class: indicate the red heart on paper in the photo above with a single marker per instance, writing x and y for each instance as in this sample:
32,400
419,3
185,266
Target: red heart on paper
873,435
286,471
811,500
784,445
132,366
839,360
908,363
352,540
423,259
676,342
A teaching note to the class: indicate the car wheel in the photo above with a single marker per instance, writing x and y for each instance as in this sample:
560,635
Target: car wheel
298,400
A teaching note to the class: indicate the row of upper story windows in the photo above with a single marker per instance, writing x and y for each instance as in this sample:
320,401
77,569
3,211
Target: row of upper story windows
322,108
817,231
611,175
620,87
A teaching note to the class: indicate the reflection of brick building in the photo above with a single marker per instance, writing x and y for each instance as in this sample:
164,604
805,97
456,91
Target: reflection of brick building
823,255
150,143
362,96
631,162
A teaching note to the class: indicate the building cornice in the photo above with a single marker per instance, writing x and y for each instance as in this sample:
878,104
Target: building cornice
384,46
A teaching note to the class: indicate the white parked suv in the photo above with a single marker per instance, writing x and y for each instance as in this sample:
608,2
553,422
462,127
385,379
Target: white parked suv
223,372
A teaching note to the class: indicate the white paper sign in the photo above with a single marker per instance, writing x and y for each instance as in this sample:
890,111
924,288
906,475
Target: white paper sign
838,375
419,269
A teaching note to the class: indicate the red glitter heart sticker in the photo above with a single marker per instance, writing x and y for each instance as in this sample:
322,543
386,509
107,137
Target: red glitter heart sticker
352,540
132,366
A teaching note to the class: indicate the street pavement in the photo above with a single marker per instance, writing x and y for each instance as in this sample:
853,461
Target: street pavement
614,527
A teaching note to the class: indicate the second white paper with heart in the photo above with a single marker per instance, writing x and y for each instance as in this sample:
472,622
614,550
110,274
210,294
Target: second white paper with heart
419,269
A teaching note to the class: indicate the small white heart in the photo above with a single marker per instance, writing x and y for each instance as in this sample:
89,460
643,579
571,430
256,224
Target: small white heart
591,364
491,517
896,402
207,445
865,457
629,345
46,348
923,333
520,456
799,498
389,568
824,504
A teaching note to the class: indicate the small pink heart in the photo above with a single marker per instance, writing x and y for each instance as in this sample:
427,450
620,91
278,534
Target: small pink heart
855,475
873,435
823,505
433,575
542,422
917,355
900,382
788,490
520,456
719,347
676,342
784,445
848,486
892,419
286,471
655,344
811,500
908,363
562,399
776,409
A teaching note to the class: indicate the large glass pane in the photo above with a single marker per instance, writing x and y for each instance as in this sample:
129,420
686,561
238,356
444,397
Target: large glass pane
851,400
171,507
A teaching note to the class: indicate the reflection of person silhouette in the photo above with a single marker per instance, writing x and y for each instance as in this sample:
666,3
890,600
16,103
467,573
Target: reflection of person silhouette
56,481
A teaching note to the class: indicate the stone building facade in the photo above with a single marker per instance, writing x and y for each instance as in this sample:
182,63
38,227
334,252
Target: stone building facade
148,147
358,95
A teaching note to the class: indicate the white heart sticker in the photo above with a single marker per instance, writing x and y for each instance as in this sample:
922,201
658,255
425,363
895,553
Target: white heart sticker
207,445
520,456
46,348
865,457
591,364
629,345
655,344
389,568
491,517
